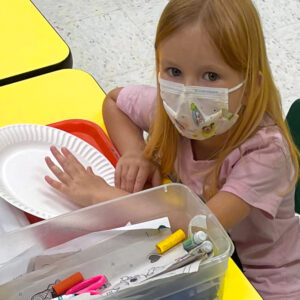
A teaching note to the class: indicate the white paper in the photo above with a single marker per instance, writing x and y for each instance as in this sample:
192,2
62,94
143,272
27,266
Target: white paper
120,254
11,218
128,259
153,224
18,266
94,238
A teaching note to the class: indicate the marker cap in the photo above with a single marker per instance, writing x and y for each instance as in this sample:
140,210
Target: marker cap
170,241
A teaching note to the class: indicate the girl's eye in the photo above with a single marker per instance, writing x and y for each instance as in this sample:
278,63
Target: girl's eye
211,76
174,72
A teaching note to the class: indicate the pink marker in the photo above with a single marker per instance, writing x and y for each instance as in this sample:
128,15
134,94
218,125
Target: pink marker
88,286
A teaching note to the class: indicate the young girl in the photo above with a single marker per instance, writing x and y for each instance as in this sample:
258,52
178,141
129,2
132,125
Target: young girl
215,121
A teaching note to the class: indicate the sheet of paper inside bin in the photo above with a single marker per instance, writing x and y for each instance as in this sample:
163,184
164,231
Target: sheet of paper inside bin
112,258
127,260
11,218
18,266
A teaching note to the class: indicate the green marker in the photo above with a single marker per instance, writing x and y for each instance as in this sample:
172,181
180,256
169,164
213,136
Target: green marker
195,240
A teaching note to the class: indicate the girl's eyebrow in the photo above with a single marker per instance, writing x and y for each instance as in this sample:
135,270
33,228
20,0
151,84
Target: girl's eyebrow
212,66
168,62
203,67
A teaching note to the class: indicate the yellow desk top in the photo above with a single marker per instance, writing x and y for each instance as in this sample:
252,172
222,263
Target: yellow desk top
52,97
28,42
74,94
236,285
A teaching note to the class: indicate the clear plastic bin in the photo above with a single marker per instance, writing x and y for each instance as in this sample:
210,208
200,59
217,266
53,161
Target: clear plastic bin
175,201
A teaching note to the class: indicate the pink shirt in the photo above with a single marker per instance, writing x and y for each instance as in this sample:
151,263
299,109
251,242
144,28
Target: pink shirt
268,239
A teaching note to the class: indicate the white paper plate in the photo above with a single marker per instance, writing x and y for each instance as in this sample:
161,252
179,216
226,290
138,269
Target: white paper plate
23,148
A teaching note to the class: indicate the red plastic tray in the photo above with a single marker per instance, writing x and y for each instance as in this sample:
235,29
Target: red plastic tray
92,134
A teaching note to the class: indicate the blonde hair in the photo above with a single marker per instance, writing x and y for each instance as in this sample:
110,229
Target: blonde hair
234,27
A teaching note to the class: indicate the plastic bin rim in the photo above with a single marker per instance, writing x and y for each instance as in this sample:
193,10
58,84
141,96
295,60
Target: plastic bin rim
226,253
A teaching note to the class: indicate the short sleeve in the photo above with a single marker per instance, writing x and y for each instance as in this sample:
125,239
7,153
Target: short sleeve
138,102
262,176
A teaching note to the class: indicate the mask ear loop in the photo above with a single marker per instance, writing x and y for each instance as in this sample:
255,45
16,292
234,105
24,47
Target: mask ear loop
236,87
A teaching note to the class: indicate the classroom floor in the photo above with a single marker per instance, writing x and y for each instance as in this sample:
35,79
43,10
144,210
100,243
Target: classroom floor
113,39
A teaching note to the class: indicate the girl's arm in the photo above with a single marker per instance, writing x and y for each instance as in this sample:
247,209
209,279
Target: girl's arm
82,186
126,136
132,170
228,208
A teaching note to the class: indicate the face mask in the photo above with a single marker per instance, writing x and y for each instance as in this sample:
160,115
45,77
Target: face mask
197,112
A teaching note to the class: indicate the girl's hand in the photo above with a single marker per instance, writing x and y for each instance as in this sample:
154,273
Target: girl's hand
133,171
79,185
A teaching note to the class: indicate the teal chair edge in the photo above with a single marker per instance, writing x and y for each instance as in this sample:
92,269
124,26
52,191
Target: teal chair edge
293,122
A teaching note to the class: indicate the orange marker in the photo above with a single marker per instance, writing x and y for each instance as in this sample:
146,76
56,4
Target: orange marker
61,287
170,241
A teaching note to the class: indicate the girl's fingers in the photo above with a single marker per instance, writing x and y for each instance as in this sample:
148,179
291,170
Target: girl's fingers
130,178
118,173
140,181
68,154
156,178
123,177
59,157
62,176
90,170
55,184
67,164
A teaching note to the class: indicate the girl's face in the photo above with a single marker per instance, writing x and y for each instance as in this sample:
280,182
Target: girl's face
190,57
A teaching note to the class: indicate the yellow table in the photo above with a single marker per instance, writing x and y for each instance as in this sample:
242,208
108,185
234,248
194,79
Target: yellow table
52,97
69,94
29,45
236,285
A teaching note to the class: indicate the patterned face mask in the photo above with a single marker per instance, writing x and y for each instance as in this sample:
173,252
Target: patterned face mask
198,112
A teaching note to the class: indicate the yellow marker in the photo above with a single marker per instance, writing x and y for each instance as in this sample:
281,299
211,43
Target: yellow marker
170,241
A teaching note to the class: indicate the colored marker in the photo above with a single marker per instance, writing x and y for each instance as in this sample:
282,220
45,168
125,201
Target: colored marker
170,241
61,287
195,240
